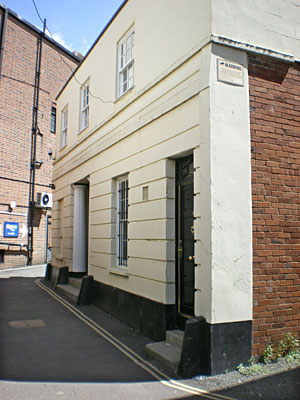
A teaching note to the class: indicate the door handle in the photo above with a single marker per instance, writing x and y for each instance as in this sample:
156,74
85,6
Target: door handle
191,258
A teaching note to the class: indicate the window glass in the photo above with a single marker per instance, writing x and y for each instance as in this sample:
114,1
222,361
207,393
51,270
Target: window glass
84,117
126,63
53,120
64,128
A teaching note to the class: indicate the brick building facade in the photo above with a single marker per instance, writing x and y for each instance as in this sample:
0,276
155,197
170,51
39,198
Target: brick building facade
275,143
19,41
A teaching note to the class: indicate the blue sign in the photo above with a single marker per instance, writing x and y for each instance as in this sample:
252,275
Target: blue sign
11,229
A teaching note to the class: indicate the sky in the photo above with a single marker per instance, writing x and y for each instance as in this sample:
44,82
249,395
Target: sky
73,23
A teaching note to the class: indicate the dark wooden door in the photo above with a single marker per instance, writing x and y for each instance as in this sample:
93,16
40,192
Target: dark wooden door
185,236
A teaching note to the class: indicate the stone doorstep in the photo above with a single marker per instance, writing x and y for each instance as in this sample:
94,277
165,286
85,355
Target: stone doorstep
76,282
69,291
76,287
175,338
167,353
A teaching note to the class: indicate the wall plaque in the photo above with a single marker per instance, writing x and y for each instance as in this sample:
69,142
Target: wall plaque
230,72
11,229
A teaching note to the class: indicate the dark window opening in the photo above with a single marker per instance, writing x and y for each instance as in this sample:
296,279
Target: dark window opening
122,221
53,120
1,256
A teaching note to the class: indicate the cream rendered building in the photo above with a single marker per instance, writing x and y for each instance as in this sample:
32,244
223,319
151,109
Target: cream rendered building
153,175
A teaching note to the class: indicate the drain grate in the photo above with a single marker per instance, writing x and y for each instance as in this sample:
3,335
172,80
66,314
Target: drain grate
27,323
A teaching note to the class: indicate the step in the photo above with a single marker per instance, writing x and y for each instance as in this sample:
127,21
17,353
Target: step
69,291
165,353
175,338
76,282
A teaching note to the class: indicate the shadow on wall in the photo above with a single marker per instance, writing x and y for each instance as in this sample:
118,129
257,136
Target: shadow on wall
271,71
16,252
37,216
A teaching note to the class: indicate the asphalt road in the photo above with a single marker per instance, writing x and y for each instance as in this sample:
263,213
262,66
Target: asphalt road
57,346
48,351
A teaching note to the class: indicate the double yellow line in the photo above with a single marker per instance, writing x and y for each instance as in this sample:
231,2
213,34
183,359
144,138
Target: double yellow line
132,355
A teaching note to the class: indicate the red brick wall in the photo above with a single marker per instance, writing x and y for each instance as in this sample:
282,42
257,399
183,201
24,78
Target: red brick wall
275,142
16,102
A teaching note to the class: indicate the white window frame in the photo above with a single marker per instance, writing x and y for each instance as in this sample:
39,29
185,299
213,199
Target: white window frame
64,127
84,106
126,62
122,221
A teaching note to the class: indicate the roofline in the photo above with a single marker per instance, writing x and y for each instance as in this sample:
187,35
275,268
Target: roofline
93,45
34,28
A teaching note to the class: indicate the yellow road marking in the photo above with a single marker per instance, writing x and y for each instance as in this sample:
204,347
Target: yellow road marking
132,355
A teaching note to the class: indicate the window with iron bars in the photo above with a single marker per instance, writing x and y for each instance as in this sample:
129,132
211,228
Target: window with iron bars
53,120
122,209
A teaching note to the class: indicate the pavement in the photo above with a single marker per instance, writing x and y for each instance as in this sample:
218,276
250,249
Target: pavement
34,271
50,349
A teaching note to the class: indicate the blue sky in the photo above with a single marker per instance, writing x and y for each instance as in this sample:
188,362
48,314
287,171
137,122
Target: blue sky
73,23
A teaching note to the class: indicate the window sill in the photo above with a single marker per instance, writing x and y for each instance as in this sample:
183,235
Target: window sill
124,94
119,271
59,257
83,129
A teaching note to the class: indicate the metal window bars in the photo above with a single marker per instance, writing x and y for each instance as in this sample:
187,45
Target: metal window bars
122,222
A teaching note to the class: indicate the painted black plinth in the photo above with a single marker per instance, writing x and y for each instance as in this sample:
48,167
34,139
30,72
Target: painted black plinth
212,349
207,349
56,275
86,290
148,317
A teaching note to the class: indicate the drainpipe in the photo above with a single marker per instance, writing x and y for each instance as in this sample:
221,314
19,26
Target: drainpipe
3,30
47,236
34,132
